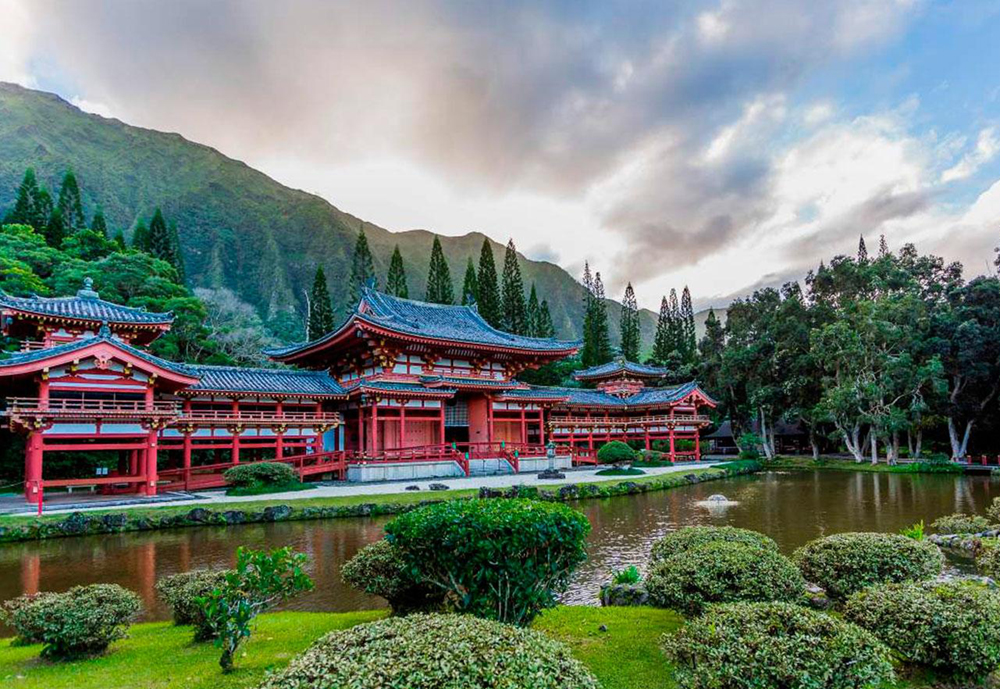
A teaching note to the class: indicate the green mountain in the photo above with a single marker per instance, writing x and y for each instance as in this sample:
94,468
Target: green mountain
238,227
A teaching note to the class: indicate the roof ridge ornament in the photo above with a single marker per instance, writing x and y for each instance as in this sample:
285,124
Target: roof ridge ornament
104,330
88,289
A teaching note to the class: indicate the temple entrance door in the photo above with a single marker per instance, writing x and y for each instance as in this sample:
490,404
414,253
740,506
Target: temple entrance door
456,420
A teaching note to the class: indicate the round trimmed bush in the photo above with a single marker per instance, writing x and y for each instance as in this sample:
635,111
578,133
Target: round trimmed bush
15,614
501,558
182,591
960,524
379,569
78,623
953,627
615,452
755,645
255,474
723,572
848,562
433,651
693,536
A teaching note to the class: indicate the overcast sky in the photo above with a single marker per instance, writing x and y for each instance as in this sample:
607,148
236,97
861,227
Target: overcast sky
717,144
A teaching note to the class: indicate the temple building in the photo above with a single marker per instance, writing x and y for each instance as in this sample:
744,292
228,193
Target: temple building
401,389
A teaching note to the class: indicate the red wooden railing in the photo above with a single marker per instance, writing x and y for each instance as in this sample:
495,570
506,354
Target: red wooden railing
632,422
225,416
89,407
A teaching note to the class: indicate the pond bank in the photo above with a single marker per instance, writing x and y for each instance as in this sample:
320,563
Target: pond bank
170,516
842,464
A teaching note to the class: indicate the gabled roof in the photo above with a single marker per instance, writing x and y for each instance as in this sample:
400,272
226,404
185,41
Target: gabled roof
418,319
274,381
85,306
386,387
618,367
18,359
584,397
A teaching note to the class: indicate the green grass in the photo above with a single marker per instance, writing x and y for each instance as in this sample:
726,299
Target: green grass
158,655
409,498
841,464
266,488
630,471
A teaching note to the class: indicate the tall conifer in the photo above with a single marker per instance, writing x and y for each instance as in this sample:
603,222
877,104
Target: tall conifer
120,240
489,286
320,308
470,285
42,208
23,212
661,341
70,204
439,286
140,238
629,325
99,224
513,308
395,280
862,250
689,343
162,243
545,326
883,246
676,326
533,314
596,341
177,256
55,230
362,270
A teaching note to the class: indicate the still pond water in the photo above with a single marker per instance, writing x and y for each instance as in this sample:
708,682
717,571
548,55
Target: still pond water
792,508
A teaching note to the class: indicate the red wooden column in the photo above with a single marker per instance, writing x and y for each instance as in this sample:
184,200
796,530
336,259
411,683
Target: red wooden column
697,446
152,475
645,427
279,441
402,423
236,429
187,445
541,423
33,466
441,437
524,427
489,419
673,456
361,427
375,447
590,432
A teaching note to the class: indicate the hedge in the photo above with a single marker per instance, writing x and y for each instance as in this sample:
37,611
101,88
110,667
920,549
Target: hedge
81,622
434,651
380,570
848,562
723,572
260,473
693,536
182,591
960,524
615,452
500,559
756,645
952,627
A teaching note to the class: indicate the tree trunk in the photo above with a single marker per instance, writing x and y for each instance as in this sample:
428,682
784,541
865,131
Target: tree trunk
873,442
892,449
851,440
766,439
920,441
909,443
814,442
959,446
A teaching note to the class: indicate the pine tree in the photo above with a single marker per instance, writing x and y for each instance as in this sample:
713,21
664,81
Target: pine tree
395,280
41,208
162,243
676,326
177,257
362,270
23,212
862,250
689,342
98,224
470,285
489,286
629,325
533,314
439,286
513,309
320,308
545,326
714,341
596,342
661,341
140,238
55,230
120,240
70,204
883,246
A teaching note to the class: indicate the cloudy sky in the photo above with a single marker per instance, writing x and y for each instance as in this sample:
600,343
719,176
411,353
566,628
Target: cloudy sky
720,144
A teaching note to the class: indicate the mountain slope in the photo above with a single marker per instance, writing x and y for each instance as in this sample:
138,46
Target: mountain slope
239,228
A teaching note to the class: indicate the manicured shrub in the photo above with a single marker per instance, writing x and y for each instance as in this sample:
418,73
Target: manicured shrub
757,645
988,558
15,614
502,559
953,627
379,569
183,593
693,536
433,651
960,524
615,452
993,511
260,581
78,623
722,572
260,474
848,562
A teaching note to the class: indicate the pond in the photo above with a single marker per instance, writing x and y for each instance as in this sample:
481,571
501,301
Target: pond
792,508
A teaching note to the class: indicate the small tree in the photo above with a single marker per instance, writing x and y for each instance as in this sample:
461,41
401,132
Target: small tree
489,288
470,285
99,224
629,326
513,310
395,281
439,285
362,270
320,309
70,204
260,581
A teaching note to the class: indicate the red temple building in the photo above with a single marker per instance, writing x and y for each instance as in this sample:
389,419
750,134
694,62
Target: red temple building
401,389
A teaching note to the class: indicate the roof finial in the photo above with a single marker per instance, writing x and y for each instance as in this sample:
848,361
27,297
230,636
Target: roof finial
104,330
371,283
88,289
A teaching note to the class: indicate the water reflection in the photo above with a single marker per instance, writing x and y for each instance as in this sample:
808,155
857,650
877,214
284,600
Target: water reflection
790,507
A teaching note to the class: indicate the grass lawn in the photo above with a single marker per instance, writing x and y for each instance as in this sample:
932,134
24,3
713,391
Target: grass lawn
841,464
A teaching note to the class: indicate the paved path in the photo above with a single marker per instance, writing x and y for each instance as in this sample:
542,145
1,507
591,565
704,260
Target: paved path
327,490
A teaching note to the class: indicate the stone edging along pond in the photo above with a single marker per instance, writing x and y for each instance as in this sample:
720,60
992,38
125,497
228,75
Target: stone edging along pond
83,524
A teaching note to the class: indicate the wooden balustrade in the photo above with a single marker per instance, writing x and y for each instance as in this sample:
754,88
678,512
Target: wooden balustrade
632,422
200,417
89,407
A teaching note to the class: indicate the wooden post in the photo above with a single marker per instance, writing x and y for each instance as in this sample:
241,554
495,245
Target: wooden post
279,441
524,427
541,424
441,438
375,447
673,456
590,432
402,423
645,427
187,457
697,446
489,420
361,427
236,429
152,475
33,467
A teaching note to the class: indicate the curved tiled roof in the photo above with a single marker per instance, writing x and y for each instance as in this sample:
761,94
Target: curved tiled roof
586,397
263,380
460,324
18,358
85,308
387,387
618,366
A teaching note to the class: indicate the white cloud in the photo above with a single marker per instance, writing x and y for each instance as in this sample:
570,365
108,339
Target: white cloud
101,109
16,43
987,146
